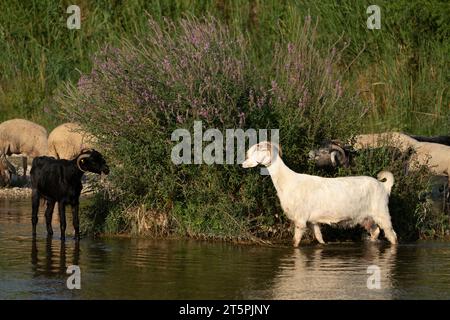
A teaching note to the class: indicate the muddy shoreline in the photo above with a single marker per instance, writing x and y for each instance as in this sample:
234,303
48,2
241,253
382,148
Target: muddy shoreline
15,193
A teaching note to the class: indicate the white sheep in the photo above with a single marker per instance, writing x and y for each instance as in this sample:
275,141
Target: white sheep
23,137
396,139
435,156
68,140
306,198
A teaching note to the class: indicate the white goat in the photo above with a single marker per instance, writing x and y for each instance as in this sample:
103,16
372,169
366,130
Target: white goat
305,198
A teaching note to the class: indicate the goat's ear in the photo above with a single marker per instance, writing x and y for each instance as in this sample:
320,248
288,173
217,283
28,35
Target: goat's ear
265,146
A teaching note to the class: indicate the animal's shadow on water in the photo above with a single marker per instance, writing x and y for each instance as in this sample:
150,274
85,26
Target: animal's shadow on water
55,260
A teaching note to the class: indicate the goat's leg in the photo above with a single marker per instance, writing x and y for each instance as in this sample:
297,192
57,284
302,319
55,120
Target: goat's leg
372,228
48,217
25,165
374,232
318,233
386,225
62,219
298,233
35,198
76,221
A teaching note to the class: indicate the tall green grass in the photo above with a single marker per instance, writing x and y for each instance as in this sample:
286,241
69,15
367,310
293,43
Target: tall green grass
402,69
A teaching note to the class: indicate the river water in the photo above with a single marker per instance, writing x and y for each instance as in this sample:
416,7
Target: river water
182,269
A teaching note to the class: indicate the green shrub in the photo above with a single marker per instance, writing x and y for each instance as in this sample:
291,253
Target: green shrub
197,69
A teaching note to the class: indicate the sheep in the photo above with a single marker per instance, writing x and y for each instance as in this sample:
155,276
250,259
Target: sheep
433,155
7,170
59,180
332,154
67,140
397,139
19,136
312,199
436,139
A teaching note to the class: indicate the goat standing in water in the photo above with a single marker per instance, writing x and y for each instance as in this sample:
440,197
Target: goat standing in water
60,181
311,199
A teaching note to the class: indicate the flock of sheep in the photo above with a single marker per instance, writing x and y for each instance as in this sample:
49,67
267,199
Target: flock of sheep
28,139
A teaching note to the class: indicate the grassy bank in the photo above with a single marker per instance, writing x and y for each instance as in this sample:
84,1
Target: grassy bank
311,69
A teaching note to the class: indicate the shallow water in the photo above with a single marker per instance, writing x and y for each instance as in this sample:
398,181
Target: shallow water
156,269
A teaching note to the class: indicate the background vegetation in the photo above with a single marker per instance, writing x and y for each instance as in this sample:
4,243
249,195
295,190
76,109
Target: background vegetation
136,70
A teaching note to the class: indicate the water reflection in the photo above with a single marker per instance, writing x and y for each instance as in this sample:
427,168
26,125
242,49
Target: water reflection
335,272
182,269
53,261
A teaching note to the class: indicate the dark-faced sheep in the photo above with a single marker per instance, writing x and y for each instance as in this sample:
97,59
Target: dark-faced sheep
59,180
23,137
334,154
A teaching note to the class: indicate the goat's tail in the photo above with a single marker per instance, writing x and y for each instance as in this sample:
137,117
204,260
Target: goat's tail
388,178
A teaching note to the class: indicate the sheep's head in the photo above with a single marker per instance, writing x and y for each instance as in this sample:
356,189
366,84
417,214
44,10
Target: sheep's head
92,161
263,153
330,155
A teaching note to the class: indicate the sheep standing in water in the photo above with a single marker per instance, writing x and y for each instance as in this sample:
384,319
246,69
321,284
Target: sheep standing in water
67,140
19,136
312,199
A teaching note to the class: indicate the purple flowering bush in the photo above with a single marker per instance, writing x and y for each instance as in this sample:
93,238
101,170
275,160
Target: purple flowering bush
197,69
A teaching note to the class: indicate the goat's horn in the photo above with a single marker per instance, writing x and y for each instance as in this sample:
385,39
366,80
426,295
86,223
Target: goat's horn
85,150
80,157
338,148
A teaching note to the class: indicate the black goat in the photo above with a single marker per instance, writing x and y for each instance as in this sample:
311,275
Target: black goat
435,139
60,181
